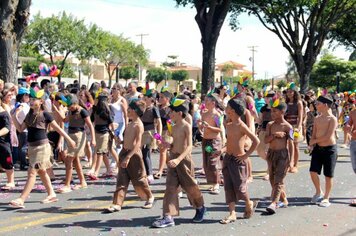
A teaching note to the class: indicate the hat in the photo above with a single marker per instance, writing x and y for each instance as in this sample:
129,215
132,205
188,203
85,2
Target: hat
237,106
270,94
292,86
23,90
243,81
278,104
165,92
179,105
36,93
325,99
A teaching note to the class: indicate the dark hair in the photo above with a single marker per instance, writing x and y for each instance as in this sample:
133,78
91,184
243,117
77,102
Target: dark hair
296,97
34,84
44,82
102,108
94,88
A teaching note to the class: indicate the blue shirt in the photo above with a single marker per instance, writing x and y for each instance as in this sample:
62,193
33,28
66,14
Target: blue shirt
259,103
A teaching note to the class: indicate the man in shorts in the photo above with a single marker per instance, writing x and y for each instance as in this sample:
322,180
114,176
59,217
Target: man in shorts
324,153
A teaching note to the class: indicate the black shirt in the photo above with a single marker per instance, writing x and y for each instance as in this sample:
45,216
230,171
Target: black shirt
5,123
37,126
76,120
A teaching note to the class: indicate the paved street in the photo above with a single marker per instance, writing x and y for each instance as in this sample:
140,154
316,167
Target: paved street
79,212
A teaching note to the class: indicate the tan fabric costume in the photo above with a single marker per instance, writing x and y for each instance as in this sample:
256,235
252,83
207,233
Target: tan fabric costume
278,163
210,163
135,172
40,156
80,140
235,174
182,175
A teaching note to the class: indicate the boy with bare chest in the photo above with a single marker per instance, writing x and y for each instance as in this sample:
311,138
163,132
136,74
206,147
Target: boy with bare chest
131,162
351,128
180,169
210,123
324,154
279,136
235,162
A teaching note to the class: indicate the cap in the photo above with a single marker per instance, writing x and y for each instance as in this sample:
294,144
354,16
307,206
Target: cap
23,90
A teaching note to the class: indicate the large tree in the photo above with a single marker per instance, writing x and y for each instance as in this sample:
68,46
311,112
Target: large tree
210,18
57,36
14,16
302,26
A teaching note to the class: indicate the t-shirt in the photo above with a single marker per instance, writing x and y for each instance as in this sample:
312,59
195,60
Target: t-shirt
148,117
101,125
76,120
266,113
5,123
37,125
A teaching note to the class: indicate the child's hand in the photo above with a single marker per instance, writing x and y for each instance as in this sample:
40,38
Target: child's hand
217,153
173,163
72,144
125,163
280,134
93,142
60,146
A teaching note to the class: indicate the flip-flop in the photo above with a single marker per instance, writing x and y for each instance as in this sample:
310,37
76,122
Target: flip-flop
227,220
17,204
64,190
112,209
149,204
93,177
158,175
49,200
8,187
78,186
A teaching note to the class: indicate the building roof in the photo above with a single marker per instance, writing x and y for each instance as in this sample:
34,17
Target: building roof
236,65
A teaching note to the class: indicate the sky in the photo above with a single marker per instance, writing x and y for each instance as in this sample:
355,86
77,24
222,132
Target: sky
173,31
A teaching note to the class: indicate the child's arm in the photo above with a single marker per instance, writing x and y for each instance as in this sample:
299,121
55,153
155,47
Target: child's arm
255,141
188,137
61,114
312,140
269,137
158,124
91,128
59,130
20,127
300,116
291,152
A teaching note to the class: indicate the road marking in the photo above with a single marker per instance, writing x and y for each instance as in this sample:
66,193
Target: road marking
65,215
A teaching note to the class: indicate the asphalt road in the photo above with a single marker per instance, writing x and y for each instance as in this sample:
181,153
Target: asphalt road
80,212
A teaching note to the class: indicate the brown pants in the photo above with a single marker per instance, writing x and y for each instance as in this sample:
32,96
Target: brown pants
278,163
134,172
182,175
210,163
235,174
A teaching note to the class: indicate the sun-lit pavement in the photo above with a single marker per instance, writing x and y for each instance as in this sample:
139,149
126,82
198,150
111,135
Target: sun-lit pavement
80,212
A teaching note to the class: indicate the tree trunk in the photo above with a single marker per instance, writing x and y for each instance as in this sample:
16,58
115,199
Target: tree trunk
14,16
208,68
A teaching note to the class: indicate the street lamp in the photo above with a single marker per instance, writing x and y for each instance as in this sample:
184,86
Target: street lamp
338,81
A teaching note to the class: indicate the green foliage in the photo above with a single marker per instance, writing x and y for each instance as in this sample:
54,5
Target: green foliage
157,75
353,56
58,35
30,66
257,84
68,72
281,84
128,72
324,73
180,75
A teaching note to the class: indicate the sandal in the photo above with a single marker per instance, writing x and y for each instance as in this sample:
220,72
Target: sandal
64,190
79,186
93,177
271,208
8,187
214,190
149,203
49,200
158,175
112,209
228,219
249,212
17,204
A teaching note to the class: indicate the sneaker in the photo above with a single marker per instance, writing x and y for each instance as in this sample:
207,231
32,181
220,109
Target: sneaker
166,221
199,215
316,198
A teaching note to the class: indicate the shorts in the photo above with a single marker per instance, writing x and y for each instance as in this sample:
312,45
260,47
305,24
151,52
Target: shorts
6,157
353,154
324,157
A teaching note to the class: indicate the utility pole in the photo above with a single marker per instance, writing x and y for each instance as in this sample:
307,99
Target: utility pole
252,59
139,64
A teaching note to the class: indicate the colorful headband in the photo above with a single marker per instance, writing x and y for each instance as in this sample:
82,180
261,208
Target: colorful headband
164,89
243,81
100,90
177,102
36,93
291,85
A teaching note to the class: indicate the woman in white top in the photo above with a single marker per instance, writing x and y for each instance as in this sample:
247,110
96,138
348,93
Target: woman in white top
118,106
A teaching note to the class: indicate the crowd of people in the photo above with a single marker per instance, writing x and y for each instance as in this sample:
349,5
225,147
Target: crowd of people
42,125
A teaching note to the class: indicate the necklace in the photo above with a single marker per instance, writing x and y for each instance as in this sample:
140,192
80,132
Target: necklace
35,119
